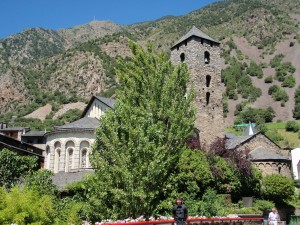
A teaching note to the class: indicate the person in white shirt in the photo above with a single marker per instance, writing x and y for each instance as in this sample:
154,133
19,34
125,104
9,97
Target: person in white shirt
273,217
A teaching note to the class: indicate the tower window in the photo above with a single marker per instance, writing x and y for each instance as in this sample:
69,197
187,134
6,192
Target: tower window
208,79
206,57
207,98
202,41
279,170
182,57
185,43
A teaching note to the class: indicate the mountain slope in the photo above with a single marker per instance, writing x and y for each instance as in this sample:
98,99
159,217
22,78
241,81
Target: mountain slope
78,62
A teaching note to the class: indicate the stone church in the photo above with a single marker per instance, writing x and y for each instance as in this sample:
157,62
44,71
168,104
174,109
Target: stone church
201,53
68,146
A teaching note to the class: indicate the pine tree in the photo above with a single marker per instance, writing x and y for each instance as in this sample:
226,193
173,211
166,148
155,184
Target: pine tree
139,143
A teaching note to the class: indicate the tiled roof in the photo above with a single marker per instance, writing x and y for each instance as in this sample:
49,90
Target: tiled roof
261,153
195,32
34,134
108,101
14,128
85,123
232,141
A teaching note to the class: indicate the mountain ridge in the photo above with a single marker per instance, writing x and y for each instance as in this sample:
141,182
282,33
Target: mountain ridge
78,62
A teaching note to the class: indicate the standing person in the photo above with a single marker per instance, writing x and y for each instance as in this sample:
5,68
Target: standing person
180,212
273,217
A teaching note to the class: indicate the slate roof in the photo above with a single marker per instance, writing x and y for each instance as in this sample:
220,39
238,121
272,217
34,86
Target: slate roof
85,123
62,179
15,128
34,134
194,31
262,154
110,102
233,141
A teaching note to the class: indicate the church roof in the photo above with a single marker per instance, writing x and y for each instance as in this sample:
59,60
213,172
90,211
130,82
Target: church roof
262,154
194,31
110,102
34,134
233,141
85,123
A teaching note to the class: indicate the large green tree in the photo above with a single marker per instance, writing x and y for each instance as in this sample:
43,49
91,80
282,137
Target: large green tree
14,166
139,143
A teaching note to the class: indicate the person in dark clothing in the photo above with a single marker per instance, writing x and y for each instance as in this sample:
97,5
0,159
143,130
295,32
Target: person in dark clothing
180,212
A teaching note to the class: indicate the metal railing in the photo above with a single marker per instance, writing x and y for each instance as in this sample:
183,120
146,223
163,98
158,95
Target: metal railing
198,221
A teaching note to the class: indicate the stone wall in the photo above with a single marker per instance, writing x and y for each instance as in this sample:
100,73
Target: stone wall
63,141
260,140
206,81
269,168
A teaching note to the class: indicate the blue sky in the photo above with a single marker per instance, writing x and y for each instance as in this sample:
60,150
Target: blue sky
17,15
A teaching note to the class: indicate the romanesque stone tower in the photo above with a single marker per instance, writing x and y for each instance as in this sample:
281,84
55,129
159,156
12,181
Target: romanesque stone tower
202,55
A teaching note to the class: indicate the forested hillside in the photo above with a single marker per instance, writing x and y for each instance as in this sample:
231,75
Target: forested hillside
259,44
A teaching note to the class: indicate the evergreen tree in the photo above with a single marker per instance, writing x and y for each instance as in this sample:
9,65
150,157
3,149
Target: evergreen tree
139,143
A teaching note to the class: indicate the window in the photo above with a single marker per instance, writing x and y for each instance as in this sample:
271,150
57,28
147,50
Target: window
182,57
47,157
83,158
84,154
206,57
208,79
207,98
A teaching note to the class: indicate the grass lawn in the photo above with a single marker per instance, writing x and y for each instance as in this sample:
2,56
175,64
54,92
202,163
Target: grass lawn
290,139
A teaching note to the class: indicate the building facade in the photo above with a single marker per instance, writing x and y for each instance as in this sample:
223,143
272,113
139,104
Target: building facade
68,147
202,55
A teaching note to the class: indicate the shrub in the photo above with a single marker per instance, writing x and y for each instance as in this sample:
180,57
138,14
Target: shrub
26,206
269,79
264,204
275,62
292,126
296,110
289,81
277,188
278,94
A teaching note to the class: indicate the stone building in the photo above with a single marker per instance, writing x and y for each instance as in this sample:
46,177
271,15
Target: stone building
201,53
263,152
68,146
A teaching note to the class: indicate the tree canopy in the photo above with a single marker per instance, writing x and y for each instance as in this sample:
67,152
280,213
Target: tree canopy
139,143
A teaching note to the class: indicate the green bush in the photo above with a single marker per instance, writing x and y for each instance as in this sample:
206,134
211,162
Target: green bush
292,126
263,204
296,110
26,206
275,62
277,188
254,70
289,81
278,94
13,167
269,79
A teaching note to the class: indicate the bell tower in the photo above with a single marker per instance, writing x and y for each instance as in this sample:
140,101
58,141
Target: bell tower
201,53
